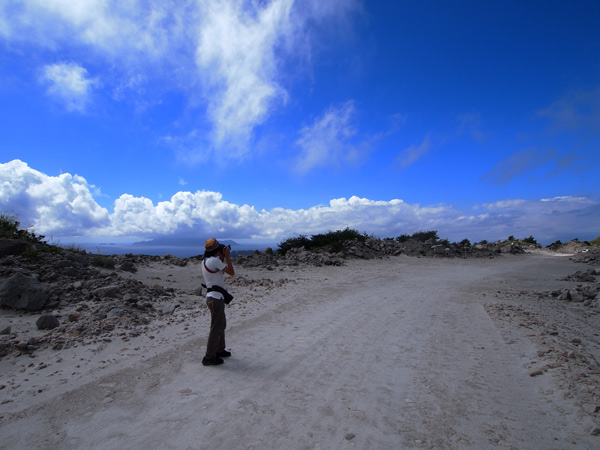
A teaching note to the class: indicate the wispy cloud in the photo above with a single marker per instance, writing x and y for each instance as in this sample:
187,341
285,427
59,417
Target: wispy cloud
328,140
528,160
578,110
237,59
127,31
471,124
70,84
229,58
412,154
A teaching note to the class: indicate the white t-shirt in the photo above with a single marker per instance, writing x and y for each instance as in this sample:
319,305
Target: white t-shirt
214,276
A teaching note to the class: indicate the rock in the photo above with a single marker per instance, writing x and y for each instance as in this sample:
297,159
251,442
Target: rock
536,372
47,322
13,247
74,317
78,259
115,313
24,292
106,291
575,296
198,291
439,249
130,298
5,331
128,266
4,348
64,263
167,310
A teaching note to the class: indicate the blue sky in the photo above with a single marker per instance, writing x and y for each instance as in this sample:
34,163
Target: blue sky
261,120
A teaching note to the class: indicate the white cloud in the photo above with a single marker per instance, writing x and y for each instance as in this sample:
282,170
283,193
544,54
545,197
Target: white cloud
61,205
328,140
115,28
64,206
229,58
236,56
69,83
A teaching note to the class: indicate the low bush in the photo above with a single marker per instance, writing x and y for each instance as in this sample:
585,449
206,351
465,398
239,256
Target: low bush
420,236
103,261
331,241
10,228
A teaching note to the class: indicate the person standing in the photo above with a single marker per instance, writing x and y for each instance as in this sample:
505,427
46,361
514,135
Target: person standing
216,264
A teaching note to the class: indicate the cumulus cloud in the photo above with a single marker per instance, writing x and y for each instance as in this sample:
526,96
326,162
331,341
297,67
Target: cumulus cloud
328,140
70,84
61,205
64,206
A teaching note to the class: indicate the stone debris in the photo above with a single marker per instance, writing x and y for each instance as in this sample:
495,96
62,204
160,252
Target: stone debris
564,325
373,248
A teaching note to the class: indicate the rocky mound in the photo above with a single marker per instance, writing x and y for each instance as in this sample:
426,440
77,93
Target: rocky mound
588,255
79,296
373,248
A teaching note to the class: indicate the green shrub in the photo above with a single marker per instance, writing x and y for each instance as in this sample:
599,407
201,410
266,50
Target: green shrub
465,243
297,242
31,254
420,236
330,241
103,261
530,240
10,228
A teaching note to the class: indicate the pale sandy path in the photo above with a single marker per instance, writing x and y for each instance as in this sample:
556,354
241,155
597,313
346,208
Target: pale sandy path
376,355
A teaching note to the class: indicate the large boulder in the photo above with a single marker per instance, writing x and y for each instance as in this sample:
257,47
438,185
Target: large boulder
23,292
13,247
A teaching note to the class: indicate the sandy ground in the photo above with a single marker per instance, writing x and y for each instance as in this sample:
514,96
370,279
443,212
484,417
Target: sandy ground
381,354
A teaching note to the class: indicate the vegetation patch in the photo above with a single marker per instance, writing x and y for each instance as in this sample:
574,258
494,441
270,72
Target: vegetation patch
332,241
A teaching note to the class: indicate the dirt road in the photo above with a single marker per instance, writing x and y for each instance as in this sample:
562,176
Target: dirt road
390,354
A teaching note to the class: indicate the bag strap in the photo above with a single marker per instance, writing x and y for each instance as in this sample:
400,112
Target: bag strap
211,271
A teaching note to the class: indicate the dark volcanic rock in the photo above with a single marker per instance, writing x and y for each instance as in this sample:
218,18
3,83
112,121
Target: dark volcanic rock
47,322
13,247
24,292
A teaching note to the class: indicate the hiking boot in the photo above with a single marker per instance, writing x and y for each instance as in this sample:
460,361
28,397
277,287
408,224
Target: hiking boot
212,361
223,354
